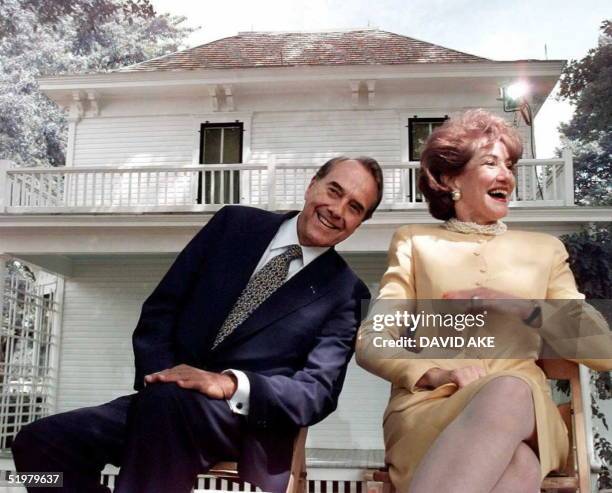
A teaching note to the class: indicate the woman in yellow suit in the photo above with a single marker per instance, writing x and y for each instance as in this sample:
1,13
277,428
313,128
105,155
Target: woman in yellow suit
478,425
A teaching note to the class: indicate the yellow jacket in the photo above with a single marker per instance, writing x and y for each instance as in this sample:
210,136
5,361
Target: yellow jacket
424,263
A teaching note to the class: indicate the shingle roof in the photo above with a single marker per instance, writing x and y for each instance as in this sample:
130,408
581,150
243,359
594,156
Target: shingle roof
285,49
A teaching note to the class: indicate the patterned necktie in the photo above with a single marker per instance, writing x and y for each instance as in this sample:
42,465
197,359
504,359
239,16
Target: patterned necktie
269,278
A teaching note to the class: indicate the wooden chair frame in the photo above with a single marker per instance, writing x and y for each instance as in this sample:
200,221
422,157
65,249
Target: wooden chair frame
297,476
576,475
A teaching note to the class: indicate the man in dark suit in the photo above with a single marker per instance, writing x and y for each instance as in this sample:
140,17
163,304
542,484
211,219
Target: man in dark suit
245,340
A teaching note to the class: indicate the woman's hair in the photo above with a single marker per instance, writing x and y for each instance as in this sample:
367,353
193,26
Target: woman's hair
449,148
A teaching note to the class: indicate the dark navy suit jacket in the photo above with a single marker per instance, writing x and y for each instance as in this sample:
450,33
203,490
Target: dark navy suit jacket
294,348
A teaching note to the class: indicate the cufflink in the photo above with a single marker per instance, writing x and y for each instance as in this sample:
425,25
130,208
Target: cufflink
239,405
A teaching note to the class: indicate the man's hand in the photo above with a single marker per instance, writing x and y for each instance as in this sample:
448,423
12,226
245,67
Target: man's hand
213,385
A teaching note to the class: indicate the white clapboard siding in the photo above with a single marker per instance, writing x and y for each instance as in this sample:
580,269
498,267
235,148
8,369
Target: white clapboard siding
313,137
101,307
139,141
295,138
357,422
134,140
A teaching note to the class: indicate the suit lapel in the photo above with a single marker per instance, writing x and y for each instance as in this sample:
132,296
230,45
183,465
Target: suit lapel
248,248
240,259
303,288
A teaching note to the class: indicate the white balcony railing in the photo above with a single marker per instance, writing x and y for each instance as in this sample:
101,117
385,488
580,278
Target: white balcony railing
275,186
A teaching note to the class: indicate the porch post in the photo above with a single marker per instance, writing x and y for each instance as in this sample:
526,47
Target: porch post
5,165
3,273
54,353
4,379
272,182
568,174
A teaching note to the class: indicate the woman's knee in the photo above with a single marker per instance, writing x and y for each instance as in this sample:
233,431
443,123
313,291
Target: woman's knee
526,466
505,401
509,393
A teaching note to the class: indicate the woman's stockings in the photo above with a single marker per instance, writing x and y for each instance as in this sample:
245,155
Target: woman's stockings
483,449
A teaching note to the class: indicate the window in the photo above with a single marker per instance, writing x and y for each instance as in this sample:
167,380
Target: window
220,143
418,131
28,344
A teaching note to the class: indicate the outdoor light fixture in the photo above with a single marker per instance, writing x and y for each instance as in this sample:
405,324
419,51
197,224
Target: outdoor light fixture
514,98
513,95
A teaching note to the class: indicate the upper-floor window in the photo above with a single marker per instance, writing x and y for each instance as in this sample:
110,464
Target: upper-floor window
220,143
418,131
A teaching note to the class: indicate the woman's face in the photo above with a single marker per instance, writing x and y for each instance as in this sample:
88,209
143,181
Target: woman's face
486,183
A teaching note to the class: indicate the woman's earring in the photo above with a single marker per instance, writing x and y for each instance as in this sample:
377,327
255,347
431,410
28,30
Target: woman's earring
456,195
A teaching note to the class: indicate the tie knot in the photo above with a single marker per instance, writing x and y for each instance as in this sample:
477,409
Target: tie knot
293,252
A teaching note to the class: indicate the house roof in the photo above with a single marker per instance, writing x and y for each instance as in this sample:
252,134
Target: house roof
283,49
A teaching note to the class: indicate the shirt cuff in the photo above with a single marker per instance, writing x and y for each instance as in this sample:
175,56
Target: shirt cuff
239,402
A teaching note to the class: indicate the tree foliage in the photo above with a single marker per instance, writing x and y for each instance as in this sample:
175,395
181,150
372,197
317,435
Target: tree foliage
604,449
590,257
587,84
40,38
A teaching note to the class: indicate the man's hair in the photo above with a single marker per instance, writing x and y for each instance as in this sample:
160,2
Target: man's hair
368,163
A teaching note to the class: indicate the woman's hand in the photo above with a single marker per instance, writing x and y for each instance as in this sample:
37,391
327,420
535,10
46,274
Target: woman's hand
461,377
481,299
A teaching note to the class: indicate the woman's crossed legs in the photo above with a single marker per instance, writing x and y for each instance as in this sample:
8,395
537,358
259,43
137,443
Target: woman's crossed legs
484,449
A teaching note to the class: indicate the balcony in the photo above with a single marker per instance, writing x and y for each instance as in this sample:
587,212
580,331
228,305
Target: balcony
207,188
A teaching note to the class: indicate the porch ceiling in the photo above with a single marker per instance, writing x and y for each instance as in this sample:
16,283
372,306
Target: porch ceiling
69,235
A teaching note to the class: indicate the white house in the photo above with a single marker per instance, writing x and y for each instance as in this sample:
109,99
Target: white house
155,148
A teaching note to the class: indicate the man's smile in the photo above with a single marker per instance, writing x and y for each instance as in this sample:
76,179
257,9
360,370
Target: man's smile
326,222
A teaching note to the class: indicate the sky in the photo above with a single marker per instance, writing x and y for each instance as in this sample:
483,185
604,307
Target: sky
496,29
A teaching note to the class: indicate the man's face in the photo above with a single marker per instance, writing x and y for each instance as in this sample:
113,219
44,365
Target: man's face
336,204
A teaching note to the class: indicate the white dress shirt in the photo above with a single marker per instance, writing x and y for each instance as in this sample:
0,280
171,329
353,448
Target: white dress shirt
285,237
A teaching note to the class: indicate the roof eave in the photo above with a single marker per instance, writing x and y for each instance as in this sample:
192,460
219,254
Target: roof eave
60,88
261,74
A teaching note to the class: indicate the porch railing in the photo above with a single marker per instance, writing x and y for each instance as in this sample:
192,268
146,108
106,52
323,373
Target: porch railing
275,186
